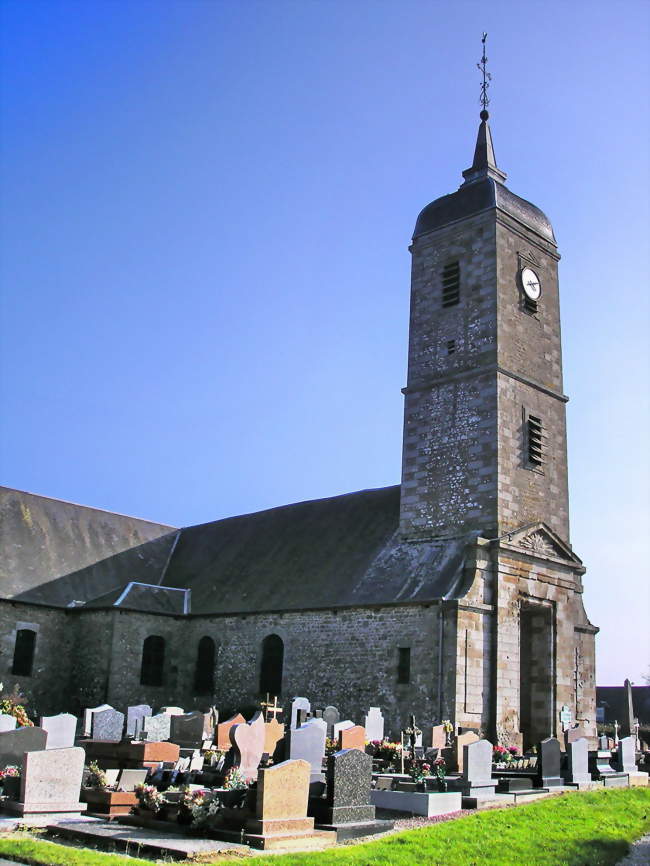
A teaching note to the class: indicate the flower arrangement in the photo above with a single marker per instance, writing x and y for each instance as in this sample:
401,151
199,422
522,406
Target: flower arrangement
11,771
419,770
234,780
149,797
331,746
188,801
386,750
205,811
14,705
504,755
96,776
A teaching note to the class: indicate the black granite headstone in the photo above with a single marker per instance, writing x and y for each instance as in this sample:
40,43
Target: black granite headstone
550,760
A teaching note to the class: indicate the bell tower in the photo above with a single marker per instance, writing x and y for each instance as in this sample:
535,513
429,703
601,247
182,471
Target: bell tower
484,424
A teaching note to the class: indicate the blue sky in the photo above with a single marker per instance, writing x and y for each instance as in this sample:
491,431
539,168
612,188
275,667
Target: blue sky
204,229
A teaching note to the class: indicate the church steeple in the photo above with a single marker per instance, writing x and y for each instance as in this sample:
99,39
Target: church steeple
484,164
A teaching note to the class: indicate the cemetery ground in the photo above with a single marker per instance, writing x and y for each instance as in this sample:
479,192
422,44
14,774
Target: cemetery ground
571,829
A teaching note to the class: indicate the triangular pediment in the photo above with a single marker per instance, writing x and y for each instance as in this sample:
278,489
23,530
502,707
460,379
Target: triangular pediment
539,540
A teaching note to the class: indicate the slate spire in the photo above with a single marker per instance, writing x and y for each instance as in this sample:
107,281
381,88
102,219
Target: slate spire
485,164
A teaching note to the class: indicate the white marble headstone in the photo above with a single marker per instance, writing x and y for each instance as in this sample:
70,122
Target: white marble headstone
298,704
341,726
7,722
373,722
60,729
307,743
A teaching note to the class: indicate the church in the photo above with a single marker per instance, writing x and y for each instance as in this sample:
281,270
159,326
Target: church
453,595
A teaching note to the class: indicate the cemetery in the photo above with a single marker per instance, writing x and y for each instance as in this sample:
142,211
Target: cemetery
294,778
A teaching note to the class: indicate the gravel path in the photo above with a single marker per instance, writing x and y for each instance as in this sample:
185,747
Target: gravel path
639,854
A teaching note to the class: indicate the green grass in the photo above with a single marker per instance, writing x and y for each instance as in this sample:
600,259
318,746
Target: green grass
25,848
579,829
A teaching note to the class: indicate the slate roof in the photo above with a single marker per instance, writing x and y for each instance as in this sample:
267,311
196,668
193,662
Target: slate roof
325,553
56,552
475,197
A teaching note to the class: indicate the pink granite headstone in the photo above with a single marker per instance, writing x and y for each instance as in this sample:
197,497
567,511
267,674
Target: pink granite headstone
248,743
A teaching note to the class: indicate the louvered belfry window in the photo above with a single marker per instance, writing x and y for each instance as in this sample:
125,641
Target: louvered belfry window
536,439
450,284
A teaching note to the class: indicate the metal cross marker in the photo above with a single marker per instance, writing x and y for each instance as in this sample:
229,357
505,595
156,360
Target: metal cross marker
484,100
412,732
271,710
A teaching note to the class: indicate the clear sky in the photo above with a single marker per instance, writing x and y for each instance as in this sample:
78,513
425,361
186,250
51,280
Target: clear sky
205,277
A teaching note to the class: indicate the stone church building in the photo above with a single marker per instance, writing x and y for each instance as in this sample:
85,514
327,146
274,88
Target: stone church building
454,595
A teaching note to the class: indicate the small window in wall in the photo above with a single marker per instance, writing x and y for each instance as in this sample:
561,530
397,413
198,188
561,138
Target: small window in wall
204,671
271,667
24,652
535,440
451,347
404,664
450,284
153,661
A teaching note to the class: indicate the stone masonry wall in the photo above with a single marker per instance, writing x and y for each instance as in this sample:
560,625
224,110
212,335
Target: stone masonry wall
346,658
449,483
47,686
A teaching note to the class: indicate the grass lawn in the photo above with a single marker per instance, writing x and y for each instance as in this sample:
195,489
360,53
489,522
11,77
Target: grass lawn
579,829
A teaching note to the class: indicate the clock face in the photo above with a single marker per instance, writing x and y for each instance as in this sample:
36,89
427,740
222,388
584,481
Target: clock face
530,284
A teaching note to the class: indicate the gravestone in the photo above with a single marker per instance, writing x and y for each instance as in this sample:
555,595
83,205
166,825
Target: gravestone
627,728
106,724
50,782
190,729
307,743
281,805
550,758
352,738
349,777
577,772
626,755
476,781
172,711
134,718
438,737
273,733
223,731
373,722
156,728
60,729
454,755
128,779
298,704
247,740
7,722
331,717
88,714
574,734
341,726
13,744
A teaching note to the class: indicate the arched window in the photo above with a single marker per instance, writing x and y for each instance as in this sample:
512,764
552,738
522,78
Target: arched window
204,671
153,660
271,667
24,652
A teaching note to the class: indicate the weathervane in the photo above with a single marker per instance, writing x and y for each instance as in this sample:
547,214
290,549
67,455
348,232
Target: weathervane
484,99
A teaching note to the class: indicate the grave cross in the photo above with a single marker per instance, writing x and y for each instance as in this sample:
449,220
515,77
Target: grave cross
271,710
412,732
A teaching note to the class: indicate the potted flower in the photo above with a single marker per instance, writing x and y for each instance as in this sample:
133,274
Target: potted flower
187,802
234,790
440,772
13,704
149,799
10,777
